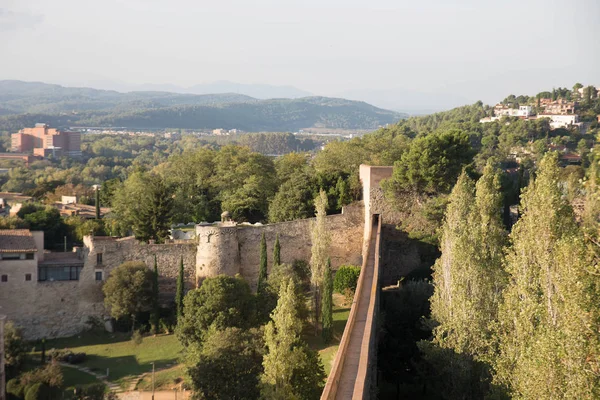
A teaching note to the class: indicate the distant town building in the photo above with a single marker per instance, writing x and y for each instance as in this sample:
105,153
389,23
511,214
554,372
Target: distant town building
561,121
47,142
70,207
502,110
11,203
220,131
559,107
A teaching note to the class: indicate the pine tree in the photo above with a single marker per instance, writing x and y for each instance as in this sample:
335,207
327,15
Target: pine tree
277,251
548,319
180,292
262,269
327,304
320,238
281,334
155,315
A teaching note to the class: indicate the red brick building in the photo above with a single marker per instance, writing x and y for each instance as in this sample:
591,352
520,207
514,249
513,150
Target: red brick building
45,142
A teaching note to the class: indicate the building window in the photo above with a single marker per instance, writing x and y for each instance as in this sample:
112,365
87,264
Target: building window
29,256
27,277
98,258
69,273
4,278
11,256
98,275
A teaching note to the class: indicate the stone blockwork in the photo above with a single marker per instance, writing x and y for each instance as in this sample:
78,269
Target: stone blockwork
226,248
116,251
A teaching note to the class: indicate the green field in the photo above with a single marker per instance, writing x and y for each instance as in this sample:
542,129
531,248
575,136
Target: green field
73,377
119,354
328,352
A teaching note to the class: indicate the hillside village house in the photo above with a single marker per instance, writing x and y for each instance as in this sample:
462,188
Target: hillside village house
11,203
561,121
501,110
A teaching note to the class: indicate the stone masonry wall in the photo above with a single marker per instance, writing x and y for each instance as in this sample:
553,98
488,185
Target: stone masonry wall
168,256
294,237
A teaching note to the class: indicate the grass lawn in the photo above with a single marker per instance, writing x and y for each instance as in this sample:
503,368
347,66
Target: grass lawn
163,380
328,352
74,377
117,352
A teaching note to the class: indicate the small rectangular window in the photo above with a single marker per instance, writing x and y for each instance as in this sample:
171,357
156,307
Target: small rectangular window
98,275
98,258
27,277
29,256
4,278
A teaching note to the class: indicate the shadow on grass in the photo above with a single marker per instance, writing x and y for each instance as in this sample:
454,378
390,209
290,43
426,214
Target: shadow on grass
123,367
89,338
340,317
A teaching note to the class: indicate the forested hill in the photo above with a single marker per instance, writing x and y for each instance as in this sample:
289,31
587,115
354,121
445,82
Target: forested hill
25,103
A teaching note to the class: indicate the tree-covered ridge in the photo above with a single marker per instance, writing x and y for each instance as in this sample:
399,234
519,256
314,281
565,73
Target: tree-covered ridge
24,103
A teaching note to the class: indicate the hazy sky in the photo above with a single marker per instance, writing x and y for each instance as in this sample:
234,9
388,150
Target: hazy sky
461,50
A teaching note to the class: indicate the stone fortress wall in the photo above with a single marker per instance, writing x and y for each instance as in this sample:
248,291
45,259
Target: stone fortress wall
226,248
54,309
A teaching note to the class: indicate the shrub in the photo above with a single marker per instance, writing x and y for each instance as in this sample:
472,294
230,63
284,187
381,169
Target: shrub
94,391
66,355
38,391
137,337
14,390
50,375
346,277
165,326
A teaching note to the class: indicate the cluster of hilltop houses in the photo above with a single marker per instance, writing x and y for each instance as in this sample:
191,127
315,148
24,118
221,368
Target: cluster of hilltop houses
560,112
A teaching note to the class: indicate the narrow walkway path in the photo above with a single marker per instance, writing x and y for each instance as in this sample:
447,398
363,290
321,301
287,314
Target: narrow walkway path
102,378
349,373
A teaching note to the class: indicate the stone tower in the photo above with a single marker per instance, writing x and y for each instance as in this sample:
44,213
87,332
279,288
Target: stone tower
218,250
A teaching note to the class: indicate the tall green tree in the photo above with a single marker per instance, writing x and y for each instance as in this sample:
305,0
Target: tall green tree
468,280
155,315
220,302
548,321
320,240
432,163
128,290
277,251
327,304
180,294
291,370
229,365
469,277
145,203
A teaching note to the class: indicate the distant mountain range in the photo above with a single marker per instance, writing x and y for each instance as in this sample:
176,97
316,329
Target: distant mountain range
256,90
25,103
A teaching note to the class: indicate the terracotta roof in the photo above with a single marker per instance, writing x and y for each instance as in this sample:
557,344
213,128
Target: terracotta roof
16,241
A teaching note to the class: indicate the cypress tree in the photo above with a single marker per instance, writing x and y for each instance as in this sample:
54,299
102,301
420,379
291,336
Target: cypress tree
281,337
548,321
320,239
327,304
277,251
155,316
262,269
180,291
